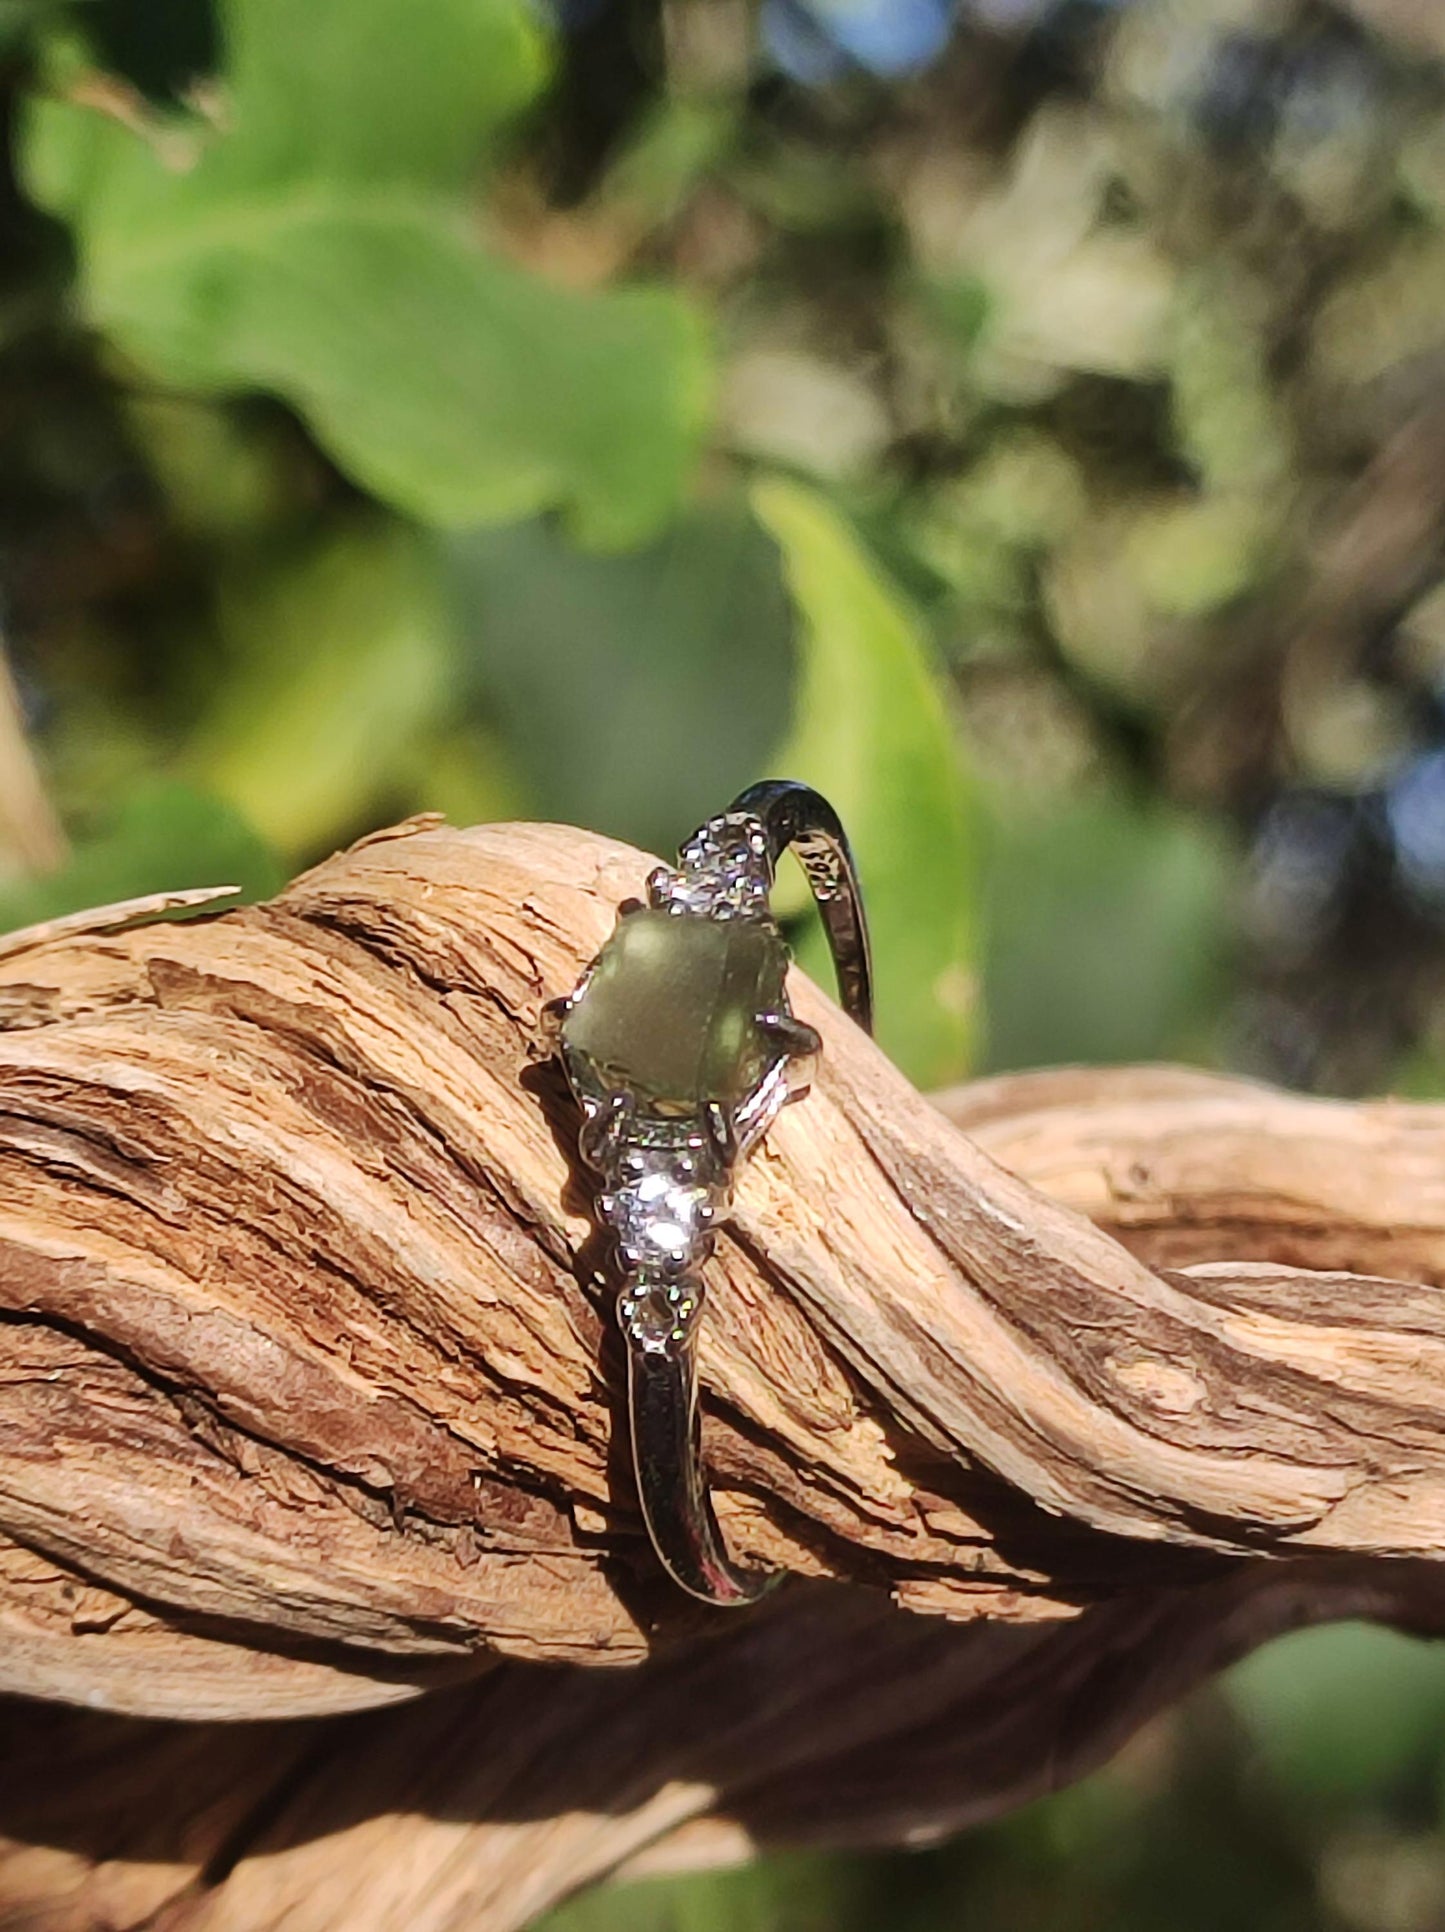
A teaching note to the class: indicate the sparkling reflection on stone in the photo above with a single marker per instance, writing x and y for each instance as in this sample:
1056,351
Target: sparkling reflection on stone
658,1220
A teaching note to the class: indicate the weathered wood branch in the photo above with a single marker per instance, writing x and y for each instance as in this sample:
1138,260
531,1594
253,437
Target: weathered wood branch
1186,1167
825,1718
307,1399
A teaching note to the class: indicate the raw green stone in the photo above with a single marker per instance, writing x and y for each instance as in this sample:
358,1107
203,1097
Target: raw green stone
670,1012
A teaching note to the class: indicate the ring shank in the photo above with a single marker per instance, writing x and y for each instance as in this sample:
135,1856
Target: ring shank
796,817
662,1397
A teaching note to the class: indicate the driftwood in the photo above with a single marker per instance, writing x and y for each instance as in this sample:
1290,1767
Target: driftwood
308,1401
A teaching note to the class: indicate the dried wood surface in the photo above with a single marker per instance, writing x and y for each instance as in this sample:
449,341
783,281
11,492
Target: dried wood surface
308,1400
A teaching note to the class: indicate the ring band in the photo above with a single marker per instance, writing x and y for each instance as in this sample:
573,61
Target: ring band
681,1047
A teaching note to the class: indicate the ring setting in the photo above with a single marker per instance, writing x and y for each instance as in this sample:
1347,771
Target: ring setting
681,1047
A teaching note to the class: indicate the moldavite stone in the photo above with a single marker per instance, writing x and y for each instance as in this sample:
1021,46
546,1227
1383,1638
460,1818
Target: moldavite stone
670,1012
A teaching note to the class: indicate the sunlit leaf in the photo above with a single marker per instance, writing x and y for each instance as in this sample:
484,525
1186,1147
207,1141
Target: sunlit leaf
871,733
314,241
339,662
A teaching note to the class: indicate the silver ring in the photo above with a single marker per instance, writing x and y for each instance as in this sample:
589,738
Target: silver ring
681,1047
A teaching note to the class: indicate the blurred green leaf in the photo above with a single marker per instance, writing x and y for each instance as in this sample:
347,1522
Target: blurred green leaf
1419,1074
1107,929
315,242
638,693
959,307
980,533
225,475
468,774
871,732
1229,421
163,838
1193,556
678,142
1346,1711
793,1892
340,660
20,17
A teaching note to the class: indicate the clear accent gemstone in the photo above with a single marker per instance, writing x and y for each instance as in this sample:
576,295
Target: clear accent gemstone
723,871
658,1314
661,1195
659,1220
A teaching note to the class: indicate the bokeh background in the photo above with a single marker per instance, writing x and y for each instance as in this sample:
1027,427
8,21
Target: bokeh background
1023,418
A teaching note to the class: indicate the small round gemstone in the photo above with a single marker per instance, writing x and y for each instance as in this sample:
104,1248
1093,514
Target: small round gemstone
659,1221
724,871
657,1314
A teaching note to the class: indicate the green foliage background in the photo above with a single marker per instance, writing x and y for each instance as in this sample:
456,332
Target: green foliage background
408,404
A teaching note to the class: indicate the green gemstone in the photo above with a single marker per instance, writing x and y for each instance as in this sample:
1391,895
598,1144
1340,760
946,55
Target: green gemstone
670,1012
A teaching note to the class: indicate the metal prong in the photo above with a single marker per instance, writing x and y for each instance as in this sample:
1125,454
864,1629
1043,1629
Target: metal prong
720,1130
629,906
797,1039
658,880
597,1129
547,1042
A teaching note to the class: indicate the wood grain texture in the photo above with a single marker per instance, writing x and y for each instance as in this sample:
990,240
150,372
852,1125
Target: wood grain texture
308,1401
825,1717
1187,1167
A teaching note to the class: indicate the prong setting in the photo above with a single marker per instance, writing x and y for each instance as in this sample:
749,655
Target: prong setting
601,1121
720,1131
548,1041
795,1037
681,1048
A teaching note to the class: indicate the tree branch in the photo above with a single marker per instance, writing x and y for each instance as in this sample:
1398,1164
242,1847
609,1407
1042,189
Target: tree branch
308,1397
1187,1167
